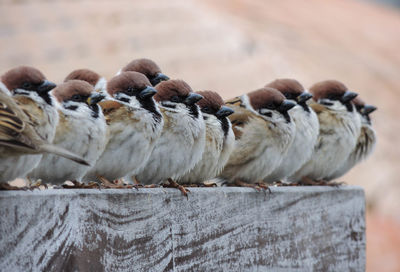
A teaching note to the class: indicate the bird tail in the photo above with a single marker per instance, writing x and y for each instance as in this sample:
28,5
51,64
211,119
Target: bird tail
48,148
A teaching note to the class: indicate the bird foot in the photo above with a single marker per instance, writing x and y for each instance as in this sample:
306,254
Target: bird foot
209,184
249,185
79,185
115,184
173,184
7,187
263,186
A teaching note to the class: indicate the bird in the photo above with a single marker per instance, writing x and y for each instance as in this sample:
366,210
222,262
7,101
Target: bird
219,141
339,128
263,133
182,140
97,81
307,129
134,123
147,67
30,89
366,140
81,130
20,141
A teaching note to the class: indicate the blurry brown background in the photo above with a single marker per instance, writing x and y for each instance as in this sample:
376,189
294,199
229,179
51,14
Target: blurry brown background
234,47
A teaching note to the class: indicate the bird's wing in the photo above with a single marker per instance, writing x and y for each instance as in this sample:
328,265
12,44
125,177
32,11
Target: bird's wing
13,124
239,119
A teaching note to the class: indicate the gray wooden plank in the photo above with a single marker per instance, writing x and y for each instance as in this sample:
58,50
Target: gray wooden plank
216,229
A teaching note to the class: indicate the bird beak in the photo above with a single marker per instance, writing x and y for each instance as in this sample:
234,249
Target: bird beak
224,112
147,92
192,98
368,109
304,97
158,78
348,96
46,86
286,105
95,98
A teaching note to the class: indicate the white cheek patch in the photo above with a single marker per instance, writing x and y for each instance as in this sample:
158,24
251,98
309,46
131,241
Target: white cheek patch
123,97
168,104
266,112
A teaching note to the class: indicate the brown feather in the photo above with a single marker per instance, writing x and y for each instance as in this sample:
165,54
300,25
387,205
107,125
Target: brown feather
15,77
328,87
127,80
66,90
286,85
84,74
145,66
167,89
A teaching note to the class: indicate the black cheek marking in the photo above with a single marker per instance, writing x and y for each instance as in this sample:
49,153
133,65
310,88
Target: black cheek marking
73,108
46,97
194,111
124,99
305,107
349,107
149,105
95,111
224,125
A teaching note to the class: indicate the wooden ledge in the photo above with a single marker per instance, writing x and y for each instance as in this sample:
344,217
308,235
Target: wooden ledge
216,229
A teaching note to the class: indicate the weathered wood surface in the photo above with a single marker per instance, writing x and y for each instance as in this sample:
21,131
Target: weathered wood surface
216,229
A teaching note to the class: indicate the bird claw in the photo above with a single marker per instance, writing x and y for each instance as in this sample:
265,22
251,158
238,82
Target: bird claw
173,184
80,185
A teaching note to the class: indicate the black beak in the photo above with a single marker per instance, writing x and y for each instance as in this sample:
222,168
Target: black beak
95,98
192,98
286,105
46,86
224,112
158,78
348,96
368,109
301,99
147,93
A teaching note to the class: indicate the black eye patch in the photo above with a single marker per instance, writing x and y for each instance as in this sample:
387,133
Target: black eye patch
176,99
131,91
207,110
79,98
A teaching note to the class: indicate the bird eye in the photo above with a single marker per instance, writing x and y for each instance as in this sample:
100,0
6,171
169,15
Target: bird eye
76,97
175,99
206,110
26,85
130,91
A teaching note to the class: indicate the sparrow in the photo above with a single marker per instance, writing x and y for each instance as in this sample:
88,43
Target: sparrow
98,82
81,130
182,140
366,140
134,123
147,67
19,137
219,141
30,89
307,129
339,128
263,131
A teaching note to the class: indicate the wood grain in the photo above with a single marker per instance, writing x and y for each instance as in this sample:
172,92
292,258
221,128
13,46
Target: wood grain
216,229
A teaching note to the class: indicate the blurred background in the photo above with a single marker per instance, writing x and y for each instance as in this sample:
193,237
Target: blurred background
235,46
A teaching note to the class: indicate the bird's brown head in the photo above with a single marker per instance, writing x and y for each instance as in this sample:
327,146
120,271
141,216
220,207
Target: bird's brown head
130,84
24,80
147,67
212,103
173,92
266,100
84,74
329,91
293,90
